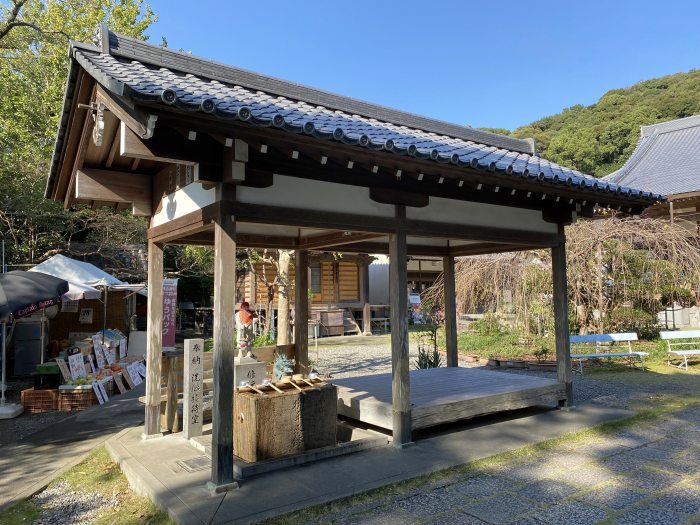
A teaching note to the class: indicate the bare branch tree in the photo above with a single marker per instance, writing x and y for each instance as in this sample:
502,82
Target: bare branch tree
613,262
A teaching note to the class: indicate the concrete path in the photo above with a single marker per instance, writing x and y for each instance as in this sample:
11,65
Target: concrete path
153,467
29,465
648,474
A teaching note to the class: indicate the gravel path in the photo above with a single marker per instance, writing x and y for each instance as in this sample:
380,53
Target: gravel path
62,506
646,474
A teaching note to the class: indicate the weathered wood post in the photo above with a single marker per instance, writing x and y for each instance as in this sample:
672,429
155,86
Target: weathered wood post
301,310
154,347
561,319
400,382
448,270
224,324
366,319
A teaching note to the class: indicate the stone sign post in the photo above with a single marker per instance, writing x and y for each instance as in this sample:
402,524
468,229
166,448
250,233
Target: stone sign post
193,410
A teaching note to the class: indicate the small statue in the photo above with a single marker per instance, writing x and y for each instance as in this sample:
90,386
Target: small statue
244,330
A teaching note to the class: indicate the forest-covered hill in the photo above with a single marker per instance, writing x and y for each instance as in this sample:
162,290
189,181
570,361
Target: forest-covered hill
597,139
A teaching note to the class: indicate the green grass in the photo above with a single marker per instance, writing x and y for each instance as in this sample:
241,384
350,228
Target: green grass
97,473
22,513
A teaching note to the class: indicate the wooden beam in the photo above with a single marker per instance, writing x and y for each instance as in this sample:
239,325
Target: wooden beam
224,324
334,239
480,233
352,222
116,187
561,320
381,247
85,138
154,348
301,310
400,381
393,196
488,247
189,223
167,145
448,271
140,122
73,137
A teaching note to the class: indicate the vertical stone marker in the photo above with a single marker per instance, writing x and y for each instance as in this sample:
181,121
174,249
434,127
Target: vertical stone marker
193,412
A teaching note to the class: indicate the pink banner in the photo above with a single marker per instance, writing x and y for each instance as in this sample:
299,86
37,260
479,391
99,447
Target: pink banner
169,312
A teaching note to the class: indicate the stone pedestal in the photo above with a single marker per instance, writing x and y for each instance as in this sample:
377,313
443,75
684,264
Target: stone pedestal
248,369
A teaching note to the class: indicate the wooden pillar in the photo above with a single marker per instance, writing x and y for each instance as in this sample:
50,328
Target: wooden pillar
561,320
301,310
224,324
363,268
400,380
154,348
448,271
366,319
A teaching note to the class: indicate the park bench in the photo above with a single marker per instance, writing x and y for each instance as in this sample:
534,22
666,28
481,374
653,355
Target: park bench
605,346
682,349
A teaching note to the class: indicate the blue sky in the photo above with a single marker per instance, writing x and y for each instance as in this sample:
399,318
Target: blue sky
490,63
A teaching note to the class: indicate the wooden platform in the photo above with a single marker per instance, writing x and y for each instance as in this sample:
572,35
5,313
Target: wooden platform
444,395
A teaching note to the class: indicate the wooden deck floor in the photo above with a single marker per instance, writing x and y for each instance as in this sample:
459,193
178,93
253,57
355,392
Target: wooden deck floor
444,395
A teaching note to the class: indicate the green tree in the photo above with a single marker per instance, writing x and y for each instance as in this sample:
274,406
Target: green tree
34,38
598,139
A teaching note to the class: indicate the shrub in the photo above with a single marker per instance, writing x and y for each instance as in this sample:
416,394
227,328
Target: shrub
632,320
264,339
490,324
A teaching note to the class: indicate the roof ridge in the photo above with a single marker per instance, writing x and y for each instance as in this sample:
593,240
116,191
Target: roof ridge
671,125
135,49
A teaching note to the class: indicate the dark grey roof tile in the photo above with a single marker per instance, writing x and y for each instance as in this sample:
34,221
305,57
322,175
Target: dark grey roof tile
151,82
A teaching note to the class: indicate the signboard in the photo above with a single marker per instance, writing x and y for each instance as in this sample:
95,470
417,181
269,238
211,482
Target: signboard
169,313
85,316
102,389
134,374
120,384
141,368
98,392
69,307
63,367
122,348
109,354
77,366
127,377
193,388
100,356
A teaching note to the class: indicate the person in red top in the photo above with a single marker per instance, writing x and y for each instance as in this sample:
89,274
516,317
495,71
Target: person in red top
244,329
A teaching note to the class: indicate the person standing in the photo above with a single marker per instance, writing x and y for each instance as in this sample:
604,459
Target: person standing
244,330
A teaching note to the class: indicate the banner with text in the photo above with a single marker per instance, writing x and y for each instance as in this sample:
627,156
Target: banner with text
169,313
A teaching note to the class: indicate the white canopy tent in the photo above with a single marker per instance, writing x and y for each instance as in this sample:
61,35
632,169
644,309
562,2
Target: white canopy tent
84,279
76,271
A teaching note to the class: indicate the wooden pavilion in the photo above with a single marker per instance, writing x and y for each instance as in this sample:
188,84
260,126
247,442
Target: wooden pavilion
215,155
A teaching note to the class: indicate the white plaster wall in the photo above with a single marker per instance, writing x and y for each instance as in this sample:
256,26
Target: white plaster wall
479,214
293,192
183,201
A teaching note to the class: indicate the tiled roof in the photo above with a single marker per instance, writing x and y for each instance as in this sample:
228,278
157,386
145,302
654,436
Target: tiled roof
666,160
153,75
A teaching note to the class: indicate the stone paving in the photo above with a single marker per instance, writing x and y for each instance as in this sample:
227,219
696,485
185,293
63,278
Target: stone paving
647,474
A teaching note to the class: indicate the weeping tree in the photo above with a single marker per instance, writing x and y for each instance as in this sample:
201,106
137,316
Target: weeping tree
621,271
